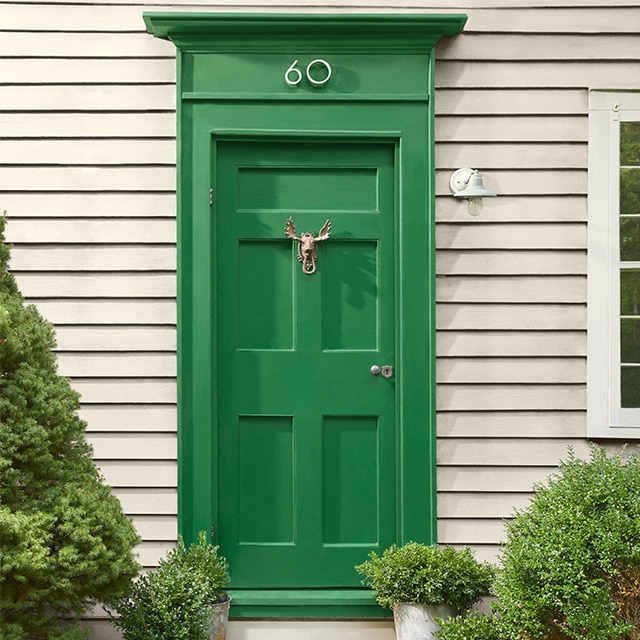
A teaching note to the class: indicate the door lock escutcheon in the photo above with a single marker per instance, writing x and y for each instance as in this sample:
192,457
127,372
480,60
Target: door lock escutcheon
386,370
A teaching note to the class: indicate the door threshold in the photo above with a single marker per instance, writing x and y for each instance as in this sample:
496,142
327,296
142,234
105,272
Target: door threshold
305,603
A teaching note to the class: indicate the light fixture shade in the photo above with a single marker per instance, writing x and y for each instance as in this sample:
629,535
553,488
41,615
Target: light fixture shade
467,183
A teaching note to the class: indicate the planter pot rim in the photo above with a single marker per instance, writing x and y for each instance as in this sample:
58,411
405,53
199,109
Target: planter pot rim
442,605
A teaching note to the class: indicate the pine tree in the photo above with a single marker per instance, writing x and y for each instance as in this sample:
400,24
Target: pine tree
64,540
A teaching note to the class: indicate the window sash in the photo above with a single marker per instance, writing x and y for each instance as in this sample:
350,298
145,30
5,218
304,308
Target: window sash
605,415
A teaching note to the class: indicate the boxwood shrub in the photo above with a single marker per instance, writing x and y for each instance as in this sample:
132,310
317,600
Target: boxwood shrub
571,561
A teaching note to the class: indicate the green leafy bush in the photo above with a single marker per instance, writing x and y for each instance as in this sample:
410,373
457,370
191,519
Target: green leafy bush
427,574
64,539
571,562
474,626
173,601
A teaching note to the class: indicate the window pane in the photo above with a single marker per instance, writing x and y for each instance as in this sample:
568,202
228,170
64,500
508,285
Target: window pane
629,191
630,293
630,387
629,238
630,143
630,340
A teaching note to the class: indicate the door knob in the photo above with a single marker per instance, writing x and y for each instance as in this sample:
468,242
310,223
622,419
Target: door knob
386,371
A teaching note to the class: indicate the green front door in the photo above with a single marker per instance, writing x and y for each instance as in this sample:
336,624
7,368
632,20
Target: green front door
292,453
306,433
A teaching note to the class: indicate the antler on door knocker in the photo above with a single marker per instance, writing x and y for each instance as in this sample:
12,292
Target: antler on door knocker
308,244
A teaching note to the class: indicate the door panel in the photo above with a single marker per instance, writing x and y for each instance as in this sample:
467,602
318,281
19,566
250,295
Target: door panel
265,475
260,264
306,435
327,189
350,309
350,481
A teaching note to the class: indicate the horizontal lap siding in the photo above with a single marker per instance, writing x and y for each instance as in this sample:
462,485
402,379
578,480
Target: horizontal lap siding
511,284
87,178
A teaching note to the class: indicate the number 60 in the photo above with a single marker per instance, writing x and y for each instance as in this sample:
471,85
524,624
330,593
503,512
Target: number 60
293,75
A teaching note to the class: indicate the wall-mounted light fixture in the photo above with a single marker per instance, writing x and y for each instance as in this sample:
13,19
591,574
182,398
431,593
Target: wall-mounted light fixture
467,183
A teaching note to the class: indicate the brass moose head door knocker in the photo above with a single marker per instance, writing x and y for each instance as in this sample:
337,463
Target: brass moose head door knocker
307,244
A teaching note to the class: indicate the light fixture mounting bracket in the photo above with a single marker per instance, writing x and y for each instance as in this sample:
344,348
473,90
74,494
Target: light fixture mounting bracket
460,179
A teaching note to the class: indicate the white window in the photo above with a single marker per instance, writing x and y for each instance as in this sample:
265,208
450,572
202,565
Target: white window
614,265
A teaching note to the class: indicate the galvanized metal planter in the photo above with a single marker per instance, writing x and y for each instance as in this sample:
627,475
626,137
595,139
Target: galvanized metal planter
220,618
417,621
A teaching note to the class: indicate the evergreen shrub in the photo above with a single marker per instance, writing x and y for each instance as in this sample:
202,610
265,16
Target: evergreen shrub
64,540
427,574
174,600
474,626
571,561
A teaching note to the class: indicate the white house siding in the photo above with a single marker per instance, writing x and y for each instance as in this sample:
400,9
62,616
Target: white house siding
87,180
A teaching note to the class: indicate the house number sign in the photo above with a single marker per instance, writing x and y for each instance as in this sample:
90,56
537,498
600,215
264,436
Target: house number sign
322,72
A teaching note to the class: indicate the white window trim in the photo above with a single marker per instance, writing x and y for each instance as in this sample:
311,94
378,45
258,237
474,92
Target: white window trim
605,417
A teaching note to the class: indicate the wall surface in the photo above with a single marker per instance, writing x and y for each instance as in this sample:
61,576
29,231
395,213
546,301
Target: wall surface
87,181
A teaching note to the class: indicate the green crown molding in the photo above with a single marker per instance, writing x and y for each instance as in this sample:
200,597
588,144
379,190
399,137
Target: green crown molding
208,32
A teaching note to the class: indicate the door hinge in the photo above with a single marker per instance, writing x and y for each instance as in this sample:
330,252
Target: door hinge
210,197
212,532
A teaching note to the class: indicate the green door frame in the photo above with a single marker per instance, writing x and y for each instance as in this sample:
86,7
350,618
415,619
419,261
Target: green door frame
204,79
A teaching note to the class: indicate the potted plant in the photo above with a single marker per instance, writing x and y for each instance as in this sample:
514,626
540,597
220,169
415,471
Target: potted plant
423,582
571,560
183,598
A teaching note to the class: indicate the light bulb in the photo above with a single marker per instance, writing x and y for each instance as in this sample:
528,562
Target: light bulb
475,206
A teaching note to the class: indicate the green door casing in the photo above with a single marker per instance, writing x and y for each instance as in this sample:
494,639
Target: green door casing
292,452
